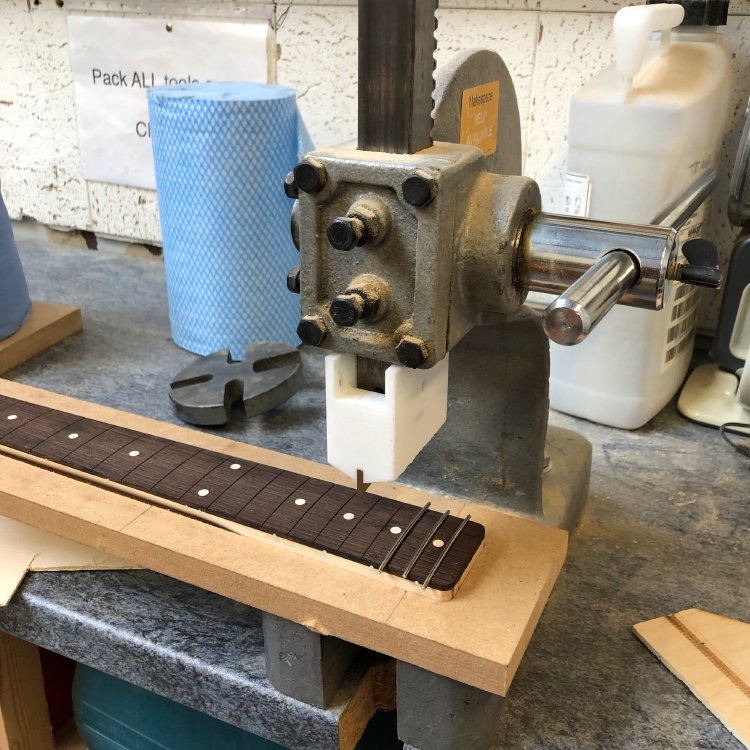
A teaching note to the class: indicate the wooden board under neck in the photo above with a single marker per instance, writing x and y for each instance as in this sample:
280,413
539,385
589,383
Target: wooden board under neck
478,638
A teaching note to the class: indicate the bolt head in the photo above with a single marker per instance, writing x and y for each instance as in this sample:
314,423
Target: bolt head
312,330
346,310
310,176
293,280
345,233
419,190
411,352
290,187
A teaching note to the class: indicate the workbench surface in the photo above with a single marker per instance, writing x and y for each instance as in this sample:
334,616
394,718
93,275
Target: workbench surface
666,529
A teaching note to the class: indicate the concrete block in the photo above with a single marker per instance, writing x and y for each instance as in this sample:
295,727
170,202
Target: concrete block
303,664
437,713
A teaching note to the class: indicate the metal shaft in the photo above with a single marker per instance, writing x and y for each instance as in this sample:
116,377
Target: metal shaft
558,250
396,66
678,210
572,317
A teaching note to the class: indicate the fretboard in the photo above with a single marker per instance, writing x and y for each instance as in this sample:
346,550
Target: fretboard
418,544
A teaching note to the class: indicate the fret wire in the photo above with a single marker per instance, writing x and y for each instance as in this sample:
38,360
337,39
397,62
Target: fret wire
402,538
423,546
445,552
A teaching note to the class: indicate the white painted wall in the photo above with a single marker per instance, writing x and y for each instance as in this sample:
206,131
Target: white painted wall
551,47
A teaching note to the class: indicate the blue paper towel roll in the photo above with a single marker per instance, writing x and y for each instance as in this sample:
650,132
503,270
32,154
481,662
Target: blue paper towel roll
15,303
221,152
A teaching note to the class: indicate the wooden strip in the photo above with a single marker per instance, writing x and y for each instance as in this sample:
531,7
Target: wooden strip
24,716
48,324
711,655
478,638
706,650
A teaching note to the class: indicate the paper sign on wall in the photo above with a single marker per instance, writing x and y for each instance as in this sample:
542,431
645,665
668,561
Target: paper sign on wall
116,60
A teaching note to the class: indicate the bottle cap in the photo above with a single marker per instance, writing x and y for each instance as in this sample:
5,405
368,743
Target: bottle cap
700,12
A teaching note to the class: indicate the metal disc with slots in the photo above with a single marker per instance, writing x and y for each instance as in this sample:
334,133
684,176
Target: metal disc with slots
205,391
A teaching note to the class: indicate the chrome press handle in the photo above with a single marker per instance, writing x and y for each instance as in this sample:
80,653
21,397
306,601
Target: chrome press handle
599,264
573,315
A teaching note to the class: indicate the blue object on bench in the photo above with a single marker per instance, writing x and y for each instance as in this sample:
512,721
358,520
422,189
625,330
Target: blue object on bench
15,303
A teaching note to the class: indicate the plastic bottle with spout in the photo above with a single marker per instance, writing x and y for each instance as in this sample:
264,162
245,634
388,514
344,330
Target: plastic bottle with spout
640,133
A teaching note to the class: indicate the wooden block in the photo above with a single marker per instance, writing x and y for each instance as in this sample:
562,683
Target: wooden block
711,655
477,638
24,716
48,324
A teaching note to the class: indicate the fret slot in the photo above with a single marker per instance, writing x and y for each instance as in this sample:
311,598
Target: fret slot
235,498
319,516
152,471
358,542
268,500
289,513
216,482
29,435
129,457
178,483
97,450
345,522
18,414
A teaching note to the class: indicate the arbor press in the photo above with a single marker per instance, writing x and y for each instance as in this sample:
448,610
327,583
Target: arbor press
418,246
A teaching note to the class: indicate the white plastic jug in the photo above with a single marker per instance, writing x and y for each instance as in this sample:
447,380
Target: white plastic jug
640,132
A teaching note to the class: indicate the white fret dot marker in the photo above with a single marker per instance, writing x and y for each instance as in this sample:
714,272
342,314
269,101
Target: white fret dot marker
395,529
133,454
11,417
300,501
348,516
235,467
202,493
72,436
438,543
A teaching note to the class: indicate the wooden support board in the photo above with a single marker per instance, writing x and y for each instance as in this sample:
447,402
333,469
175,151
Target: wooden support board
711,655
24,716
478,638
47,325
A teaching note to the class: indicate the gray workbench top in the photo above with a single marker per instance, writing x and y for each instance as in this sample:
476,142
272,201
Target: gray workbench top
666,529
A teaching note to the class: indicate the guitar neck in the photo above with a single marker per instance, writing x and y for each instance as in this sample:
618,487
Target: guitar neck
419,544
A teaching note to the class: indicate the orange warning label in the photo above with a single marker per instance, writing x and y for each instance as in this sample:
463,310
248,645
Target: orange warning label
480,112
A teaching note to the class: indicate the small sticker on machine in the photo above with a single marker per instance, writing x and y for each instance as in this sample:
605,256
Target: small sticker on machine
480,113
577,200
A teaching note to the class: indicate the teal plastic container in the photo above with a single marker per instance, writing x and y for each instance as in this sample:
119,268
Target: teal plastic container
114,715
